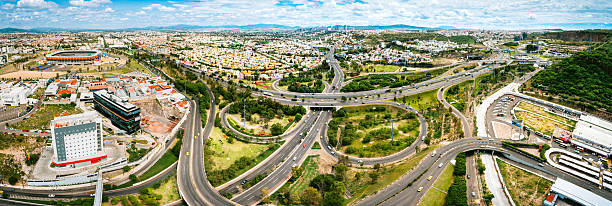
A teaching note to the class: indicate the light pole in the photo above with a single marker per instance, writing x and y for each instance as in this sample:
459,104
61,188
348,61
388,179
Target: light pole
391,129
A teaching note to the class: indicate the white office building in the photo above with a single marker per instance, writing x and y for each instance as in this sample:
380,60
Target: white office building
77,139
17,94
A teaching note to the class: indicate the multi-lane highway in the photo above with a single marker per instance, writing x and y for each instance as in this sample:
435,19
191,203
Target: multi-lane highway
192,182
195,188
282,172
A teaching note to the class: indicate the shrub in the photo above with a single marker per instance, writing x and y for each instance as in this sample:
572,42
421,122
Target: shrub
13,180
115,200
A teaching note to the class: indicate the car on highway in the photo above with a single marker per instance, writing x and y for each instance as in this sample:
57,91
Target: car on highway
468,176
187,153
440,165
195,136
501,114
333,153
430,177
243,181
51,195
329,147
359,161
420,189
294,158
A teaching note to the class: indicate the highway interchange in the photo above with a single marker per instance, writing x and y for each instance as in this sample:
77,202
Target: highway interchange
195,189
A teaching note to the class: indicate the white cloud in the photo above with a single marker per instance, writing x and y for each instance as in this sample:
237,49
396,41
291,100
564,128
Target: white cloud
36,4
91,3
109,10
124,19
8,6
159,7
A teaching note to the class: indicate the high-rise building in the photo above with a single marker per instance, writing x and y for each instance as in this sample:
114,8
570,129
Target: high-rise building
124,115
77,139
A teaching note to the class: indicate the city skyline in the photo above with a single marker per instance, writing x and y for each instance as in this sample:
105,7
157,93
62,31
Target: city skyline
107,14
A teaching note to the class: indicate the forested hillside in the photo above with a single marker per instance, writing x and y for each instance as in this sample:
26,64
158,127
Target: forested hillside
584,80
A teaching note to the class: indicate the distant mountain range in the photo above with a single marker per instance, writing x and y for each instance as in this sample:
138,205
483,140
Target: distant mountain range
185,27
249,27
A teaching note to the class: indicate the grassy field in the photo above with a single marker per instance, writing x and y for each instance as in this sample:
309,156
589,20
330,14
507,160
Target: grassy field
371,133
229,153
381,68
256,127
311,170
42,118
168,190
363,187
542,112
540,120
420,101
435,197
524,187
8,69
135,66
164,162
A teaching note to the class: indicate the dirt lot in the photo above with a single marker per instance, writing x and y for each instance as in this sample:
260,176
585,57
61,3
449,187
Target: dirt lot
30,75
325,161
158,117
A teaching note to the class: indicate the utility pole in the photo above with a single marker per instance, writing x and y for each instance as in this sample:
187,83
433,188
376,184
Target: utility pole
391,129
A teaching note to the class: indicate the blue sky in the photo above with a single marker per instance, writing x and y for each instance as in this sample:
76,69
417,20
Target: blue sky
475,14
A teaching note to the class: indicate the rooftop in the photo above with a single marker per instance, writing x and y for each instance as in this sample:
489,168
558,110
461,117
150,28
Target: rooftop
578,194
75,119
125,104
594,129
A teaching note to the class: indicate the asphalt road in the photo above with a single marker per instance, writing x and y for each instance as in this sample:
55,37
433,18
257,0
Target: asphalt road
192,181
399,193
290,159
276,159
467,128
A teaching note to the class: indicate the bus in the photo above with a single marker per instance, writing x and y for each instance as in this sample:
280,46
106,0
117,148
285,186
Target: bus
267,94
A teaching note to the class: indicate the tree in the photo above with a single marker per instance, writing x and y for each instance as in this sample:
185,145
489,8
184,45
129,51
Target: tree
377,166
13,180
311,196
488,198
126,169
264,195
322,182
133,178
340,170
276,129
374,176
333,199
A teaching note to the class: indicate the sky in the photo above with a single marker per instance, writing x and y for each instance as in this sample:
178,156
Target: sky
473,14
